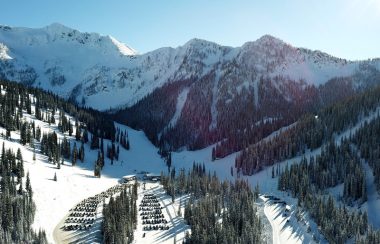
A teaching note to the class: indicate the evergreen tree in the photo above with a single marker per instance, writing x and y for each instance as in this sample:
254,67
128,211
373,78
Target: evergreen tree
74,154
169,161
70,128
77,131
204,210
120,218
23,138
81,152
85,136
20,190
28,186
127,146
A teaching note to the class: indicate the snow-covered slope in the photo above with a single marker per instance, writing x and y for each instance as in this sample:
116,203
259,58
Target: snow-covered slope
274,57
123,48
4,52
91,68
293,231
54,199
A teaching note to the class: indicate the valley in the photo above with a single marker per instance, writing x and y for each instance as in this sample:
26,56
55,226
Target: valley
265,142
54,199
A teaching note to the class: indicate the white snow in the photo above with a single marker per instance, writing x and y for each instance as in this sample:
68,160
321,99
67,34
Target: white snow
372,205
100,68
4,52
180,103
314,71
278,223
275,227
54,199
123,48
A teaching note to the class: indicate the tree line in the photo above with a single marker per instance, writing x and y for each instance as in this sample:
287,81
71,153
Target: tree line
333,166
309,133
366,139
218,211
16,200
16,97
223,109
309,180
120,217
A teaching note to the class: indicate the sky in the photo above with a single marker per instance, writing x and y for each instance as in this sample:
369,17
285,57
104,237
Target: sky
344,28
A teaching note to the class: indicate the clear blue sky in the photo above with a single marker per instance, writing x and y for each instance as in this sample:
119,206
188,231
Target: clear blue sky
344,28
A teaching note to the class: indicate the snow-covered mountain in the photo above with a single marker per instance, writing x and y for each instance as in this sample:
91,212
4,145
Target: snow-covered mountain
59,58
92,68
200,95
242,94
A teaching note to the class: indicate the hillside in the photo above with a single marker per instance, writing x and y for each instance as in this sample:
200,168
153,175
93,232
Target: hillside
88,66
301,126
75,179
48,134
202,92
40,135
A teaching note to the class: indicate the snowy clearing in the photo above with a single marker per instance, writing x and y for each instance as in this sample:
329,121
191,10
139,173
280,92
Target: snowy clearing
180,103
372,205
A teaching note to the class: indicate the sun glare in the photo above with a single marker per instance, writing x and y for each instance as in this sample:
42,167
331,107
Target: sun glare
371,6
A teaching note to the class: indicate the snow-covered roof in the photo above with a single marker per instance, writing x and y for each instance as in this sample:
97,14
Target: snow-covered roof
152,174
128,176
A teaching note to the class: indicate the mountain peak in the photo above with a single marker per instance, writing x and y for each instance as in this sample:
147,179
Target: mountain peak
197,42
269,40
266,42
58,27
123,48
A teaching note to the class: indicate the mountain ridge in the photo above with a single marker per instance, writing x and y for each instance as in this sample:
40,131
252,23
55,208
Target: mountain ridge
89,67
211,92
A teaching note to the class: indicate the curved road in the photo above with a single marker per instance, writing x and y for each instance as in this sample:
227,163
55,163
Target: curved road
275,230
267,224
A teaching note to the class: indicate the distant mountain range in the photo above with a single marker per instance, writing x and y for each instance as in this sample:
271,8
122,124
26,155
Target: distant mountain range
189,96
